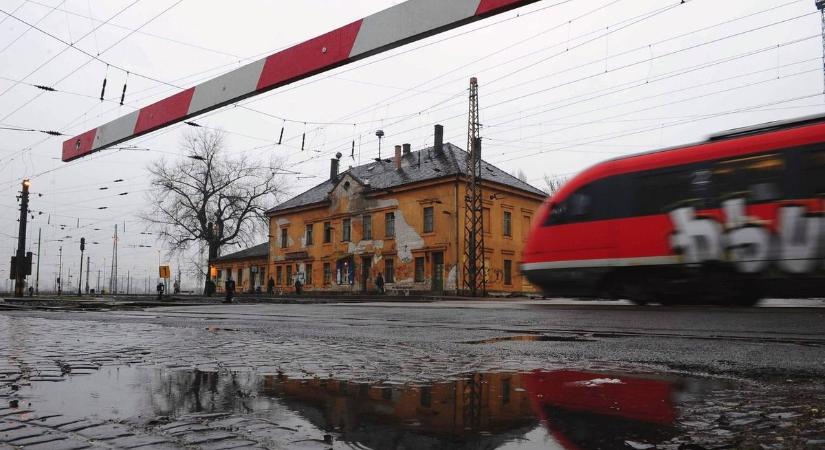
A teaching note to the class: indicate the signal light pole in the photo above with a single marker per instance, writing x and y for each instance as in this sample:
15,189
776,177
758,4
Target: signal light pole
80,274
19,267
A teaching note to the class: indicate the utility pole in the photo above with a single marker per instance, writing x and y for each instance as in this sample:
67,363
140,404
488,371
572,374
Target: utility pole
97,291
474,274
60,271
21,263
113,274
37,277
820,5
128,281
80,274
87,275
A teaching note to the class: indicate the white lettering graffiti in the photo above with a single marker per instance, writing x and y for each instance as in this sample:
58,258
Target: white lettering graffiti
748,243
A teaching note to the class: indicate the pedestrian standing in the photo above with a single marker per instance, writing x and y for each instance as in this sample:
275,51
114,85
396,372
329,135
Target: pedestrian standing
298,286
379,283
270,286
159,288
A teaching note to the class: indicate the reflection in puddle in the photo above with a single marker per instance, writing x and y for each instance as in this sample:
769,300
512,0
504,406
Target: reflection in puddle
557,409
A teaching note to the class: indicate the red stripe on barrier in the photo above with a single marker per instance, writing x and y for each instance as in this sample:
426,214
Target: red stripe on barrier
164,111
491,5
308,57
78,146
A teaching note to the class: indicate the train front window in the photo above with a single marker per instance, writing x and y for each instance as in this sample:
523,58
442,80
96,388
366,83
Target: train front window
756,179
578,207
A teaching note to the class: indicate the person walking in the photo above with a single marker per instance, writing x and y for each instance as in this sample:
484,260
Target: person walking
298,286
229,290
379,283
159,288
270,286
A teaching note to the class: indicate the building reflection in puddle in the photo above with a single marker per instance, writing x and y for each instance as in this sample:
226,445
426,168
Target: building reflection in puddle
578,410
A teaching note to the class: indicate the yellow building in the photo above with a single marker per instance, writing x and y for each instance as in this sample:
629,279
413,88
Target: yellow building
402,217
247,267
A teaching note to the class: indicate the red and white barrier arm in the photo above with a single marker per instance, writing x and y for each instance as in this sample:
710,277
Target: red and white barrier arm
401,24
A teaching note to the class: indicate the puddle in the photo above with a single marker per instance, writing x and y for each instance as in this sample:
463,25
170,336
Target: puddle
532,338
564,409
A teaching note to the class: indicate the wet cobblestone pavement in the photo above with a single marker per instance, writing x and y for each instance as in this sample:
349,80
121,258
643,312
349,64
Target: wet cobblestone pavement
357,378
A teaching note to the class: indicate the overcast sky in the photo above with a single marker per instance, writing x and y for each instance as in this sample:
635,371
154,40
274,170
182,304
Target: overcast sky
563,85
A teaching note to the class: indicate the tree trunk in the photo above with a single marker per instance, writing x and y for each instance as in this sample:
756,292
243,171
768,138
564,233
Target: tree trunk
213,253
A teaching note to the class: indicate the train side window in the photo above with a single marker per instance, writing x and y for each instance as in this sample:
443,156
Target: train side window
813,173
578,207
755,178
663,191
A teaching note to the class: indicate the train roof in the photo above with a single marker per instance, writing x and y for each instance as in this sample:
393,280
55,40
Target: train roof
737,133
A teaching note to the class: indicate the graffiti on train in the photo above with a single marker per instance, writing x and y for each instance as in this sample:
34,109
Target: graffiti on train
796,246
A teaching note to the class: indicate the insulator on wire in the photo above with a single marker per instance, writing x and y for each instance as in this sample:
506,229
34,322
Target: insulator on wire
281,137
103,89
123,94
352,152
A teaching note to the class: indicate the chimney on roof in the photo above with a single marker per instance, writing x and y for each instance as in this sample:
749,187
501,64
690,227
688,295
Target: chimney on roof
439,139
407,149
397,157
333,167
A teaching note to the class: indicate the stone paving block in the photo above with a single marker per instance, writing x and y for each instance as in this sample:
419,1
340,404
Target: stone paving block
6,426
188,429
210,436
228,444
55,421
176,424
77,426
105,431
70,443
20,433
47,437
129,442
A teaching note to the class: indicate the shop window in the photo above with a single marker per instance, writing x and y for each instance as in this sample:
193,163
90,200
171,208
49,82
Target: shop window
367,226
308,274
389,225
279,275
327,273
419,269
288,275
428,219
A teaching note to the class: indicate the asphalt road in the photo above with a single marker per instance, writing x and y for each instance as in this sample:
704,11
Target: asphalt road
767,362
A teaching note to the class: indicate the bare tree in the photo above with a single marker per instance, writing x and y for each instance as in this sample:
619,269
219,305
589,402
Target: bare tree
208,199
553,183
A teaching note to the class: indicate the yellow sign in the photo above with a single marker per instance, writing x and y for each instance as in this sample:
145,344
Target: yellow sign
164,271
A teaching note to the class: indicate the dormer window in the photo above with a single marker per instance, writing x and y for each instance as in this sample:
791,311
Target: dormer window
346,185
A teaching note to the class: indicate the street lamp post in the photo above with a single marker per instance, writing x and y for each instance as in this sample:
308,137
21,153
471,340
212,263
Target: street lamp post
80,275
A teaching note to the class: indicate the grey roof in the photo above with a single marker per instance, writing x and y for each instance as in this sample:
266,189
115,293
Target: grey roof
382,174
260,250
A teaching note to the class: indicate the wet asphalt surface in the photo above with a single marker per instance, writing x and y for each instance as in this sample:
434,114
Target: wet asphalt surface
523,374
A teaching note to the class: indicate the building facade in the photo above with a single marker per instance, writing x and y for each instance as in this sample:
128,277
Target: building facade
402,218
247,267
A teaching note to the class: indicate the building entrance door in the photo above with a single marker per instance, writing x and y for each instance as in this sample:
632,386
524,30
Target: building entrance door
366,265
438,272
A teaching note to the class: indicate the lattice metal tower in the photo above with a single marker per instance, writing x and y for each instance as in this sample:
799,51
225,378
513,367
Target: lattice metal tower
820,5
474,275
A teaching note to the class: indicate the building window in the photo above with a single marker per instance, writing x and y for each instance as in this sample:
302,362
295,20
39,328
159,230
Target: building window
327,273
508,272
309,238
508,223
428,219
220,274
389,270
389,225
419,269
288,275
367,221
327,232
346,232
308,275
525,226
279,275
485,218
426,396
505,391
284,238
